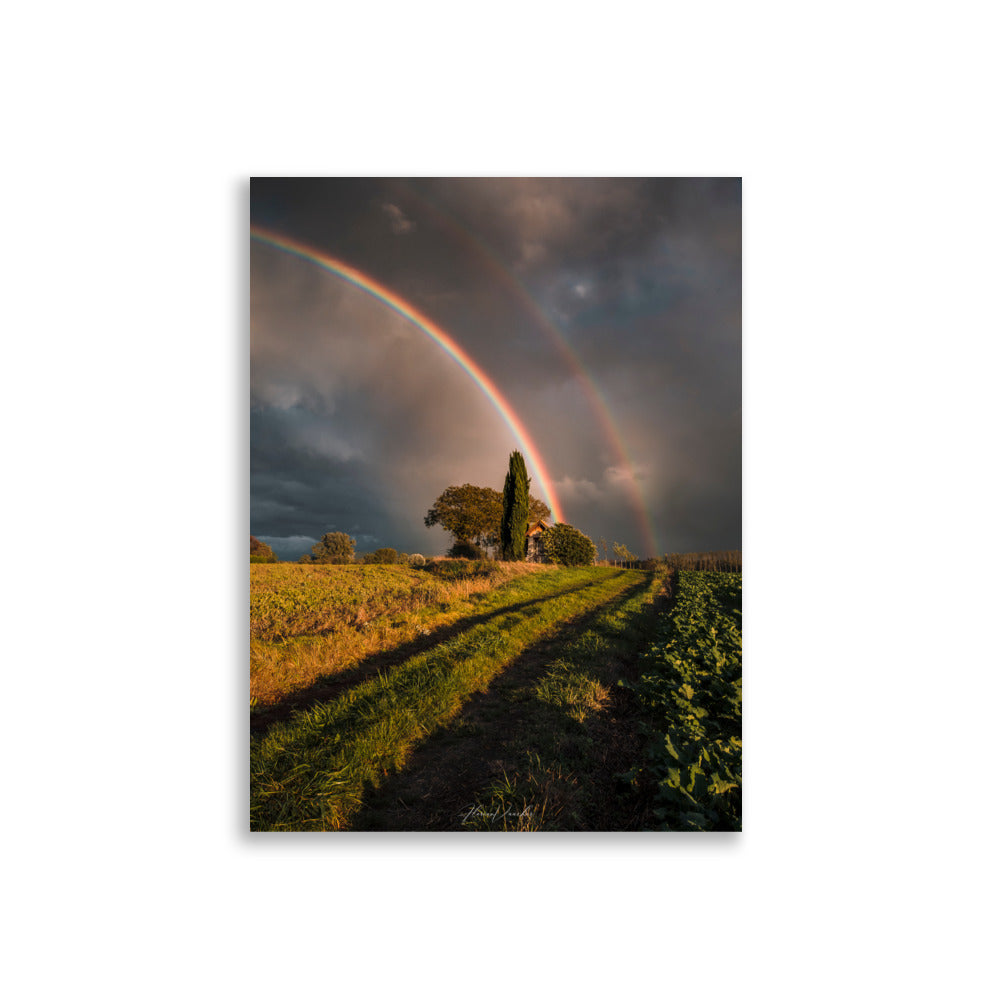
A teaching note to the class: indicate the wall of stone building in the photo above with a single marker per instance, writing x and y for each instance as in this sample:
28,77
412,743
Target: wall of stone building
534,550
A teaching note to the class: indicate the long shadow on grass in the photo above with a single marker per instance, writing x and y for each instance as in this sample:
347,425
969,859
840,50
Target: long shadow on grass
330,686
499,729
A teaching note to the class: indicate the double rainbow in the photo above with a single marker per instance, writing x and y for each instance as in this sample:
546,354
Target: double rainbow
475,247
379,291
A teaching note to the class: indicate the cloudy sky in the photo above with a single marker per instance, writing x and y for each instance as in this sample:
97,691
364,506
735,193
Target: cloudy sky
605,314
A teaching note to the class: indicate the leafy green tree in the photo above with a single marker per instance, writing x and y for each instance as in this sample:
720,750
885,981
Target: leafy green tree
537,511
622,552
468,512
261,552
514,522
334,547
473,514
566,545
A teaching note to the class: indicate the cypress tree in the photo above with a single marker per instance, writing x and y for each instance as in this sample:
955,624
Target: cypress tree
508,502
514,526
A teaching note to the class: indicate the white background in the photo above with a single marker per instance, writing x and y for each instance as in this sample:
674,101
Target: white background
865,136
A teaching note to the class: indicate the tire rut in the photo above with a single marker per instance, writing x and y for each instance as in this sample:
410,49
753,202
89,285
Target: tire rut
492,733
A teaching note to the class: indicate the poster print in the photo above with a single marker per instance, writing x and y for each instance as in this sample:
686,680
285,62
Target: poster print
495,504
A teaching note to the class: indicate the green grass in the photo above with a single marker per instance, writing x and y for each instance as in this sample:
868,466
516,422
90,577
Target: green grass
314,771
308,623
291,599
563,765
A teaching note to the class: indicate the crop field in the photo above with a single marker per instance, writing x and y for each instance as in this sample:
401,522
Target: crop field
461,696
691,690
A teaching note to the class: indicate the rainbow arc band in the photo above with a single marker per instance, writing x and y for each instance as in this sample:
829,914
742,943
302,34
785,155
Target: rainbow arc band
475,246
385,295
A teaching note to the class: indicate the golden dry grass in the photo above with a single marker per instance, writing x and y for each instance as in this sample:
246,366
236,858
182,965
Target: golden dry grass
313,622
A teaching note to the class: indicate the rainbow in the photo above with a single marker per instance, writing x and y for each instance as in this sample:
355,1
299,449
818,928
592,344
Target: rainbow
598,406
385,295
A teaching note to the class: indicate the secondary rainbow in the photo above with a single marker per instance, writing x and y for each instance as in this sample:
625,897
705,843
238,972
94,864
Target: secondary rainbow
379,291
475,246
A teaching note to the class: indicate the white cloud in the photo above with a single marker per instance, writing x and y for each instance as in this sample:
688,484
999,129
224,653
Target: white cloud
578,490
397,219
616,479
626,474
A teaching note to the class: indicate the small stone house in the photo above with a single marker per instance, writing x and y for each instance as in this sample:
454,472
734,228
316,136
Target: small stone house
534,550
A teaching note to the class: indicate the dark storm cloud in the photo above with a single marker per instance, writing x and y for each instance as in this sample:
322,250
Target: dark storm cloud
542,226
295,489
642,278
638,278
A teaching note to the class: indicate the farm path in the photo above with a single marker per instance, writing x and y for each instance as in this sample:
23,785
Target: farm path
574,763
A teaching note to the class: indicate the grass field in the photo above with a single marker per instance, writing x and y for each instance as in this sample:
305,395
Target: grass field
312,622
467,697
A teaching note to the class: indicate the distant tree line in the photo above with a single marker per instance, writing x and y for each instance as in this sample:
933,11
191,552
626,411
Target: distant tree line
729,561
562,544
337,548
479,519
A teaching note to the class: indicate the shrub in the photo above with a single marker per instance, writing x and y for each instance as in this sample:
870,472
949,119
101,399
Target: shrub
380,557
466,550
566,545
417,559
